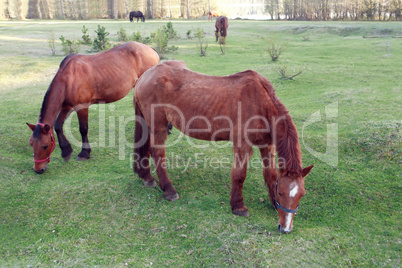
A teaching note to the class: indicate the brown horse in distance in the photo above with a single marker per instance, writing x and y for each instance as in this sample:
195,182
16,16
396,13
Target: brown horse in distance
221,26
212,14
83,80
241,108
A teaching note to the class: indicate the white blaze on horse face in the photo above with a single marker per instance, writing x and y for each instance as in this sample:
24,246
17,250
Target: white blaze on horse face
287,228
294,188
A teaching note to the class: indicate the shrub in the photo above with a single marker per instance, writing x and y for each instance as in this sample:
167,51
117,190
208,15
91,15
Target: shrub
189,34
101,42
69,46
122,35
275,48
138,38
85,37
160,39
202,43
222,43
51,43
170,31
283,71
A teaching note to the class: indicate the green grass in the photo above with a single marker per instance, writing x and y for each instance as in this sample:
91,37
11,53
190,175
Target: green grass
98,213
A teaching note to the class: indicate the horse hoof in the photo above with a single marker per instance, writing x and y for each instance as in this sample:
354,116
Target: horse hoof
172,197
81,158
243,213
150,183
67,158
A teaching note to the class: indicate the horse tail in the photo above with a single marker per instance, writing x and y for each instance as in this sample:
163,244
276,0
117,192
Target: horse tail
141,143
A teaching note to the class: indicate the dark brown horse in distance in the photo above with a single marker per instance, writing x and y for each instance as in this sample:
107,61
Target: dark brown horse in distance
138,15
242,108
83,80
221,26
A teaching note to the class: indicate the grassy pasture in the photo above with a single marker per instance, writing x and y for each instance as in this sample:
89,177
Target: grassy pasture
98,213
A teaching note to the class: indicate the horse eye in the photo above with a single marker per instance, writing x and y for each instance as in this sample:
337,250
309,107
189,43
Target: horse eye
45,147
280,194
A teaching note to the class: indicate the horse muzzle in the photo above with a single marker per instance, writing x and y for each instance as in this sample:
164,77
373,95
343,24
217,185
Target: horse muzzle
40,170
284,230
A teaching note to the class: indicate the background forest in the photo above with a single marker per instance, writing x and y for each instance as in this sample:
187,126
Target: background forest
272,9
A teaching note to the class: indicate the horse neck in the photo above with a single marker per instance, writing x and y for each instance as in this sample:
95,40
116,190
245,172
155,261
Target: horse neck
51,105
287,143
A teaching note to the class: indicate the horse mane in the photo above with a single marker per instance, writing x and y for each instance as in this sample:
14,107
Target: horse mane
286,137
36,133
45,102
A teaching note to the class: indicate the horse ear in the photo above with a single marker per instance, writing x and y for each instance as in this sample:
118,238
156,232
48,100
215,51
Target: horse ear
307,170
32,127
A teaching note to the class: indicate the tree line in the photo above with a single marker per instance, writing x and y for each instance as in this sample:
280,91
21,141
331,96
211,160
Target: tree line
276,9
334,9
101,9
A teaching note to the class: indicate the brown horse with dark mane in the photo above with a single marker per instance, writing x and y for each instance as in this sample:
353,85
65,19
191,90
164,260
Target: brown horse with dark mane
83,80
241,108
221,26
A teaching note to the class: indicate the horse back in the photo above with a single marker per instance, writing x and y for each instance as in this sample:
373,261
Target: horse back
107,76
214,104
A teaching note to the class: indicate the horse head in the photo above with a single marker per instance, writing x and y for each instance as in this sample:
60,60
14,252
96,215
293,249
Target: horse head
289,189
43,143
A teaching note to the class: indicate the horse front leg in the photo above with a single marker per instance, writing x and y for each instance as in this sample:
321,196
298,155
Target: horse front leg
270,172
83,123
65,146
238,176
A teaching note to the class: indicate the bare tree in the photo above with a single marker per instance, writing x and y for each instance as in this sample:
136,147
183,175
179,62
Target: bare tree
33,9
127,10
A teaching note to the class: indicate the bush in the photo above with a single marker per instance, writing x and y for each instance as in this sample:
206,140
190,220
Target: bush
170,31
189,34
202,42
69,46
122,35
138,38
85,37
275,48
101,42
283,71
51,43
160,39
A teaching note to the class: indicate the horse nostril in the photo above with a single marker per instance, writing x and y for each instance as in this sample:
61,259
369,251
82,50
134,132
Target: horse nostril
279,227
40,171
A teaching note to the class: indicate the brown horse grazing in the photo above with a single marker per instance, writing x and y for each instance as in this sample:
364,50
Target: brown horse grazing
221,26
241,108
212,14
83,80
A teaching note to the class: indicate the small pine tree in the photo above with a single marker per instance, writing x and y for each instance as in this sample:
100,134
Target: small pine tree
101,42
85,37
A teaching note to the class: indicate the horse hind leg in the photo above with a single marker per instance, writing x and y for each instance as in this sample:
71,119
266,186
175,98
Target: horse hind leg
141,149
83,123
65,146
